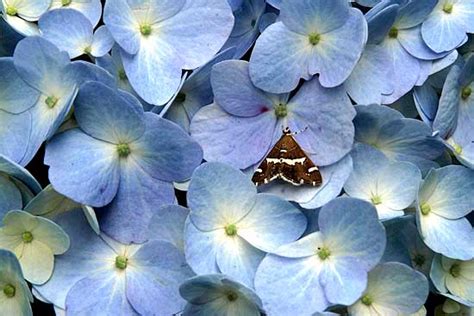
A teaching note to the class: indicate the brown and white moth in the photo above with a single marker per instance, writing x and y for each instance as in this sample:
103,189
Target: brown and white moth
287,161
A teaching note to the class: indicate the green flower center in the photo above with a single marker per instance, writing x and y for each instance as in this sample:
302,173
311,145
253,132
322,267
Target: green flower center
123,150
314,38
366,300
66,2
88,50
51,101
145,29
9,290
419,260
448,8
376,200
121,262
393,33
232,296
11,11
457,149
122,75
27,237
231,230
181,97
323,253
455,270
281,110
425,209
466,93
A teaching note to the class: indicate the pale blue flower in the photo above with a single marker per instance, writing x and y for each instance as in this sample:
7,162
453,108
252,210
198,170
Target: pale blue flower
392,289
391,186
98,275
161,38
324,268
15,296
443,202
454,278
35,241
72,32
446,27
133,158
231,227
324,37
217,294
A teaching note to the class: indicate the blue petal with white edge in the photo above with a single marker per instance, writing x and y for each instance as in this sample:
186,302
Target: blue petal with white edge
90,179
20,173
68,29
10,196
208,196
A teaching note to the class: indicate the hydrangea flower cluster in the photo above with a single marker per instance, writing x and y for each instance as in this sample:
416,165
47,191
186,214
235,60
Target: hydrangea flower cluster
151,117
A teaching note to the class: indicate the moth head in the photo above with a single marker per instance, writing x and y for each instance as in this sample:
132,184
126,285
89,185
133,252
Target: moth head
286,131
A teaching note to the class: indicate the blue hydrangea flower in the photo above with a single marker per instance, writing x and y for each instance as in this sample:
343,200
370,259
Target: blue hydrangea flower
391,186
397,29
15,296
17,186
101,276
133,158
35,241
324,117
446,27
327,267
324,37
217,294
160,38
21,14
8,39
195,93
250,20
55,82
72,32
443,202
392,289
92,9
453,278
50,204
231,227
399,138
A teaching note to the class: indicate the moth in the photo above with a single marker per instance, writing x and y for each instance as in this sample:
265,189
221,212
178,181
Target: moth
288,162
